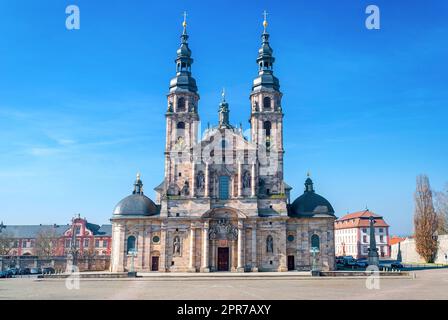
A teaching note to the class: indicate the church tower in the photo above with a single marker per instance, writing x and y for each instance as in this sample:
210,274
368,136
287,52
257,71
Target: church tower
266,120
181,122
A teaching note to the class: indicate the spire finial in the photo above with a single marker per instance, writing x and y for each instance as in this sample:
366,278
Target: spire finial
138,175
265,20
184,24
223,94
308,174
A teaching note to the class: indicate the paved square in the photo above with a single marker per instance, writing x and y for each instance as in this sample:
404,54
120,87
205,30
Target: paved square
429,284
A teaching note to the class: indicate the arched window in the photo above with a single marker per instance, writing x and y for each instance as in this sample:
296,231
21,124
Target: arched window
315,242
267,103
223,187
181,125
131,245
180,104
267,127
270,244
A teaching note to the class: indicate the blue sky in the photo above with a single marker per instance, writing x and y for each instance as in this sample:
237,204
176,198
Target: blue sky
82,111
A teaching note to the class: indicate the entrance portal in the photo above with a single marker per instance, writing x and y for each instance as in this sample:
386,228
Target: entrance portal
291,264
223,259
155,264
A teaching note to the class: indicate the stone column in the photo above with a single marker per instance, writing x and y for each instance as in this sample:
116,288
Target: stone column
140,248
207,182
240,263
240,185
119,248
147,250
191,265
254,248
283,265
193,180
163,251
254,180
205,261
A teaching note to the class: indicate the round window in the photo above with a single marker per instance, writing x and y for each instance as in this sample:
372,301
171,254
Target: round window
156,239
290,238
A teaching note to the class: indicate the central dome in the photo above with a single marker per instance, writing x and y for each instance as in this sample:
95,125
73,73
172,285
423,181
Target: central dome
310,203
137,204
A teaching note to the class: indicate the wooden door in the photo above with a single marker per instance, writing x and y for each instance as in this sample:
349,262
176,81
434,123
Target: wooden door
291,264
155,264
223,259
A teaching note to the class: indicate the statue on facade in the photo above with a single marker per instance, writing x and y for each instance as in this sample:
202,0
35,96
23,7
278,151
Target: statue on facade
246,179
186,188
261,186
270,244
200,181
170,107
256,108
176,245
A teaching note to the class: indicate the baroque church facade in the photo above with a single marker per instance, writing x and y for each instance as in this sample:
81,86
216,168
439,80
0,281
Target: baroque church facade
223,204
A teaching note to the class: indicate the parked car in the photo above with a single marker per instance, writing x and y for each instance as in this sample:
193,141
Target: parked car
396,265
361,264
35,271
13,271
48,270
25,271
5,274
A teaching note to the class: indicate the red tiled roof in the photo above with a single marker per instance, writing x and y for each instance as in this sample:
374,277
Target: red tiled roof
359,220
393,240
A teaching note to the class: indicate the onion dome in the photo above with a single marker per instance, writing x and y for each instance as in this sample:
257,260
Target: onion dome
137,204
310,204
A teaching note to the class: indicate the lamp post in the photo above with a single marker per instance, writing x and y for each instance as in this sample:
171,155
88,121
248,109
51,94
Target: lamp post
373,258
314,269
73,255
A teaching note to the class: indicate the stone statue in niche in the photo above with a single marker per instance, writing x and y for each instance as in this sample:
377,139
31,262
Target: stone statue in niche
270,245
256,108
186,189
176,246
170,106
246,179
261,186
200,181
191,106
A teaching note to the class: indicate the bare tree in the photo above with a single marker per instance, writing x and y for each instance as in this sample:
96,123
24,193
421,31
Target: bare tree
6,243
425,220
441,205
45,244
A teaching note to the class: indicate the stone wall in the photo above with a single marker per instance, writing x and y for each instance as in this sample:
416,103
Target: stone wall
410,255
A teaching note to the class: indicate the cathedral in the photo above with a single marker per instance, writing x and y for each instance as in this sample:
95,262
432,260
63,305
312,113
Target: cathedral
223,204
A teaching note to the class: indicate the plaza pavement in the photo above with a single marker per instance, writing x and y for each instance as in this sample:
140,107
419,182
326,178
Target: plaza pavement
428,284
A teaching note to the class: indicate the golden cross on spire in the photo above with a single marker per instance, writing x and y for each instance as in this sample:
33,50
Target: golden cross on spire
184,24
265,21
